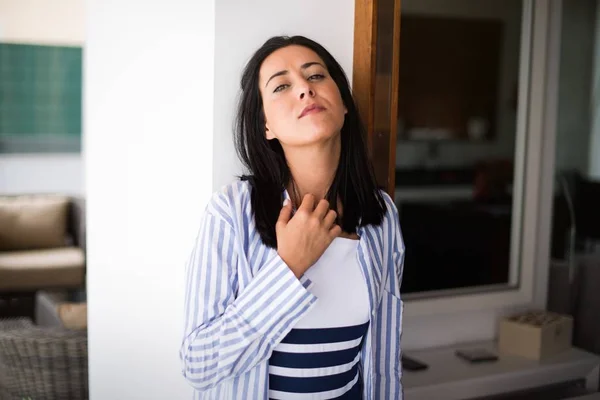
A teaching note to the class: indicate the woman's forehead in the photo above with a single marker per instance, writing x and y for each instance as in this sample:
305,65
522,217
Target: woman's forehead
292,56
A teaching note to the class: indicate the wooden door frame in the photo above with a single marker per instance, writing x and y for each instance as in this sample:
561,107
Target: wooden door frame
363,81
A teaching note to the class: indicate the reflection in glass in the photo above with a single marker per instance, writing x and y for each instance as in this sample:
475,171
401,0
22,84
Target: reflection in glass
456,135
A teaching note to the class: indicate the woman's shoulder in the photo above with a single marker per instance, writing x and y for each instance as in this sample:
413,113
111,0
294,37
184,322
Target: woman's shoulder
391,216
390,205
230,200
233,189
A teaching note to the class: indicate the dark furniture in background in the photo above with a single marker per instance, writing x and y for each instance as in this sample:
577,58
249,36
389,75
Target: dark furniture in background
587,209
455,244
585,195
423,177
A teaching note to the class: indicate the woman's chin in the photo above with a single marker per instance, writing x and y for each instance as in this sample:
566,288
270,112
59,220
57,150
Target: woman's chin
310,135
322,131
319,136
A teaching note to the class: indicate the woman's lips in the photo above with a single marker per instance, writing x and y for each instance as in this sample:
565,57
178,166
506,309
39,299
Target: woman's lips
313,108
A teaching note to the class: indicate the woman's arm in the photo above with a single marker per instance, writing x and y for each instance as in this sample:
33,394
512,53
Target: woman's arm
227,334
387,331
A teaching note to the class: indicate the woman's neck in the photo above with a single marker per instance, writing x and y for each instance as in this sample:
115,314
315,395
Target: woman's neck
313,170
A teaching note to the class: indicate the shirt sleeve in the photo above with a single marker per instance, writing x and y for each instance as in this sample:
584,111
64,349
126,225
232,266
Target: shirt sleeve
226,334
387,332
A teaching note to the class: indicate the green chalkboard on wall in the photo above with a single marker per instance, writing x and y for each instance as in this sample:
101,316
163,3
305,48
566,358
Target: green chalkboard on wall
40,98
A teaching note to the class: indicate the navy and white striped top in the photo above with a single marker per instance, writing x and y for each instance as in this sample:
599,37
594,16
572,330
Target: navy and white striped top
318,364
242,300
320,356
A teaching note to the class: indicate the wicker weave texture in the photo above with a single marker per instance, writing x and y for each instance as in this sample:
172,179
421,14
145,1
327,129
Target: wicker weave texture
39,363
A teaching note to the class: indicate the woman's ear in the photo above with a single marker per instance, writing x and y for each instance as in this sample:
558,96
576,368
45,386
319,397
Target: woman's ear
268,133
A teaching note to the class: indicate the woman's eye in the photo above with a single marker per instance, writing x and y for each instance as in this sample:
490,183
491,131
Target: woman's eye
280,88
316,77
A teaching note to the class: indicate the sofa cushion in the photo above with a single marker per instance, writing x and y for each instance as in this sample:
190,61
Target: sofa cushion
33,222
35,269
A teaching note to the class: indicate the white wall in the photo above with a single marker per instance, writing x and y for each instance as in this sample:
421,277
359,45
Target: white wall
149,69
61,173
57,22
460,153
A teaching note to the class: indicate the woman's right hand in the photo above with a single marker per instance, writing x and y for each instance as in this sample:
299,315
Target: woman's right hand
303,238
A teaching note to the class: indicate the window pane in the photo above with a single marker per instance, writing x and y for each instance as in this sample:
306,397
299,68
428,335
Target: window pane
457,129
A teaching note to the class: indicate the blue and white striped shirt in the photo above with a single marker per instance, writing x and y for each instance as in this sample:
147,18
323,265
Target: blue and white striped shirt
242,300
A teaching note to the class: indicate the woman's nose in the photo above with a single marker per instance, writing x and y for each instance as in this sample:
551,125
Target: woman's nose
306,90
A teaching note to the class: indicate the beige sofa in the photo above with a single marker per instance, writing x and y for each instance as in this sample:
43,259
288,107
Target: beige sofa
42,242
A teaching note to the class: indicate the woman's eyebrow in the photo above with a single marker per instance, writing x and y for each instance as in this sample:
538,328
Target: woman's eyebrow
310,64
284,72
275,75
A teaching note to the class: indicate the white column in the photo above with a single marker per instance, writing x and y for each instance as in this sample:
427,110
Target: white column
148,138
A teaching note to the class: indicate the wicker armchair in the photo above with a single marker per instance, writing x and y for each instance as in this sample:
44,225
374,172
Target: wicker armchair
42,363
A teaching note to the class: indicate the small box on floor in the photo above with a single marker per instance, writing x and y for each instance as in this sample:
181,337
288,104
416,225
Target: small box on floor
535,334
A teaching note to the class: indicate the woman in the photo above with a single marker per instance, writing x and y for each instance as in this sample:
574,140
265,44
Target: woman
293,288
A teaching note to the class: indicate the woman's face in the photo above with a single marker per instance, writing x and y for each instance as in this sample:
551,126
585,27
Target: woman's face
301,102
